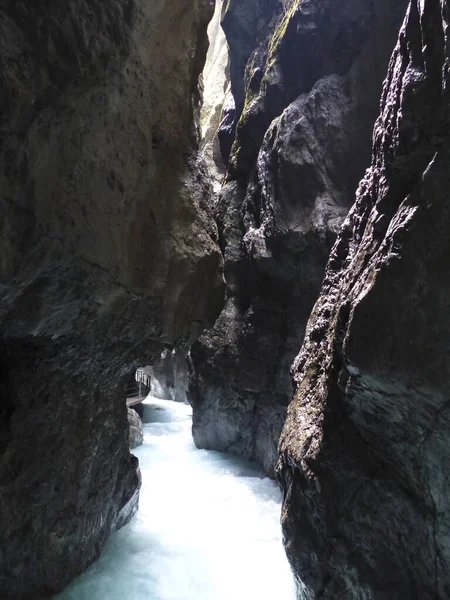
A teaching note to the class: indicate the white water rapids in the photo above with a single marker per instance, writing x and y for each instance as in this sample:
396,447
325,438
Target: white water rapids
207,527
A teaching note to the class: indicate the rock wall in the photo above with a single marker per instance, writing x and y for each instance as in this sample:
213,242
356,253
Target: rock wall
364,455
306,79
169,379
216,84
136,429
108,256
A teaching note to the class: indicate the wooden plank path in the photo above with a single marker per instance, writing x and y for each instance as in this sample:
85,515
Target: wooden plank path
135,394
133,400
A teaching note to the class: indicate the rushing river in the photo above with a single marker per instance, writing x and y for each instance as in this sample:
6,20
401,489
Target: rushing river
207,527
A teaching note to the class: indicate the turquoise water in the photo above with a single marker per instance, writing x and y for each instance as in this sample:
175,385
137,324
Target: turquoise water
207,527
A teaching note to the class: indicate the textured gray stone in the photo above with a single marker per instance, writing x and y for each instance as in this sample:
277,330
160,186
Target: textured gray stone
313,78
108,255
364,454
136,429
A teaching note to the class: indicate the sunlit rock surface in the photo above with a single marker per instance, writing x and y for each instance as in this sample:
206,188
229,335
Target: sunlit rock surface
170,376
365,452
108,255
306,80
215,88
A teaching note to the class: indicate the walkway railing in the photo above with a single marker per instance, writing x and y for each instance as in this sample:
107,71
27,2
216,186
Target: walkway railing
136,393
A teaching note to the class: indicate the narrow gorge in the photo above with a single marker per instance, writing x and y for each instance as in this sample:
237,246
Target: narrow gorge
248,199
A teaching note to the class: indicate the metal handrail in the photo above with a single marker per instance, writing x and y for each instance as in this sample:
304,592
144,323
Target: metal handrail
135,390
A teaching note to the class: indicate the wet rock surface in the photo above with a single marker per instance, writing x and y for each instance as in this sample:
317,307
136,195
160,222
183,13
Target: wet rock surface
108,256
299,139
136,430
364,453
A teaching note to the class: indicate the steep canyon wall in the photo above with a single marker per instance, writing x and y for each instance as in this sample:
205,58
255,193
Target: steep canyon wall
364,454
306,79
108,256
111,257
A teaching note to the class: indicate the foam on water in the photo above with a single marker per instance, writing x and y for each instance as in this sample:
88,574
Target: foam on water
207,527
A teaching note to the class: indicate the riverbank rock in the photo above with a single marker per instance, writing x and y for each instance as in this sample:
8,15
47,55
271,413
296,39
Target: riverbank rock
136,429
306,79
364,455
108,256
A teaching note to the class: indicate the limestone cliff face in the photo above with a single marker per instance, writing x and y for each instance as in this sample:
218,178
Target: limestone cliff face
216,84
306,79
108,256
365,450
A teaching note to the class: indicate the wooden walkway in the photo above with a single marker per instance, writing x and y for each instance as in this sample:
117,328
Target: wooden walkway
133,400
135,394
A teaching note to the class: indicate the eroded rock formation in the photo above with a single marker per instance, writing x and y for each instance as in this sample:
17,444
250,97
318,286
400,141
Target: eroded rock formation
306,79
169,379
108,256
365,450
136,429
